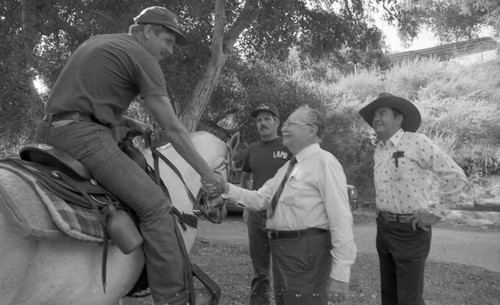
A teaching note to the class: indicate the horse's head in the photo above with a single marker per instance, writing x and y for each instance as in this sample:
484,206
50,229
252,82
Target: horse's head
184,184
214,208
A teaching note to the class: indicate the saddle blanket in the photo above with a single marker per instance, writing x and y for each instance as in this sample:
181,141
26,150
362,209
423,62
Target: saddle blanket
40,213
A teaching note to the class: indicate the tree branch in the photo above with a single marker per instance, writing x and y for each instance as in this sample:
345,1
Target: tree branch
222,115
30,21
242,23
220,20
392,16
346,2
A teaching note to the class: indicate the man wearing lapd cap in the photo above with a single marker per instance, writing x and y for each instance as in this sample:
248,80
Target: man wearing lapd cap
260,163
98,83
404,163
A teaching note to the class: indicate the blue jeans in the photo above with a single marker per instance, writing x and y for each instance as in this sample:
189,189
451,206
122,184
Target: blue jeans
402,253
260,255
93,145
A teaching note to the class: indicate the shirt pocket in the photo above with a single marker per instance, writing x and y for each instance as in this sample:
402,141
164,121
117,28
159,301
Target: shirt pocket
405,168
300,188
295,183
292,190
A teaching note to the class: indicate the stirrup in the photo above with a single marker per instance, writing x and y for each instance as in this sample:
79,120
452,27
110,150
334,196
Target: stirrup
208,283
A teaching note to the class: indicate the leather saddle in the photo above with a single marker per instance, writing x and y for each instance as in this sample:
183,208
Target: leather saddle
64,175
57,159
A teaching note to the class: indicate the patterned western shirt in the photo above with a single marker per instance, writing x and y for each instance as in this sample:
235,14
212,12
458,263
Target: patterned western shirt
404,168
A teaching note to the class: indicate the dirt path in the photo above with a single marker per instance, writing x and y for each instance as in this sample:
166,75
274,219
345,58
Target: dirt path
480,249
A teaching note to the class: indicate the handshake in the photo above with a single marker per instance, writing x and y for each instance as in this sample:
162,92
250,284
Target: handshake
216,185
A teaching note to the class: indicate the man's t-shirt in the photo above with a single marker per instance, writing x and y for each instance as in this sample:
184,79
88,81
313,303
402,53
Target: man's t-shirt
263,159
104,75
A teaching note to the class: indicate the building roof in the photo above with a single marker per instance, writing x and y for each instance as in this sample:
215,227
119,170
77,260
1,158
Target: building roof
448,51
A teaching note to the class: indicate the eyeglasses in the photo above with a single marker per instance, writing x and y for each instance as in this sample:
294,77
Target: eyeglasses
294,123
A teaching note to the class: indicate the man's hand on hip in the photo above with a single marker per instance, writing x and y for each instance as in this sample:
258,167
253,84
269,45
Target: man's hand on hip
424,220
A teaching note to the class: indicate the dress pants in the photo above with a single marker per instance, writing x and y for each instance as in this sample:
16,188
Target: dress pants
402,254
301,269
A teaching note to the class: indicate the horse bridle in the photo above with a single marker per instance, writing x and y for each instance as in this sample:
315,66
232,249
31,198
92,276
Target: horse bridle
202,197
200,201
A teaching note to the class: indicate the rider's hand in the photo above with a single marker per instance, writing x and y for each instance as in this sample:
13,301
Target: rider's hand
215,184
337,291
424,220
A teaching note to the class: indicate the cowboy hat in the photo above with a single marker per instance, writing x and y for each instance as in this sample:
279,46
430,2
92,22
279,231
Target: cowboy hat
412,118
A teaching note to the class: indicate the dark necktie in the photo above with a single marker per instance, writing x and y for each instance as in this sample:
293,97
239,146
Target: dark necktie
277,195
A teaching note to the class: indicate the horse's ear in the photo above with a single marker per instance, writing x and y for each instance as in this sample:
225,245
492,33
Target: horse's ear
234,142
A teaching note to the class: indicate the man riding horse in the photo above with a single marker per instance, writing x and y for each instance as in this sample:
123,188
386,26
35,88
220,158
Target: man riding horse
95,88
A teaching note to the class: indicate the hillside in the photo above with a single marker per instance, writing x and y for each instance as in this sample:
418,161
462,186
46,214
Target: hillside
460,107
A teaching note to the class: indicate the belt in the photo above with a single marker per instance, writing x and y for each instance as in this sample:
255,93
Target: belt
69,115
404,218
295,234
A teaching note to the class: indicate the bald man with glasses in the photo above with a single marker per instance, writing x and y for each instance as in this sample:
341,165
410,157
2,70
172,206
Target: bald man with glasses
309,221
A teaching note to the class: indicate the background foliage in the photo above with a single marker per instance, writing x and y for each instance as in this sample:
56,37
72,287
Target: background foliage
450,20
459,106
38,36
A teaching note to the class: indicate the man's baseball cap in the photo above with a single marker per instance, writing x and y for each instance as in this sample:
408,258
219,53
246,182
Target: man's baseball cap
269,107
162,16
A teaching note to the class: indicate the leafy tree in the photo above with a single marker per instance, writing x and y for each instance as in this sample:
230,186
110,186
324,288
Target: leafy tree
20,104
39,36
450,20
253,30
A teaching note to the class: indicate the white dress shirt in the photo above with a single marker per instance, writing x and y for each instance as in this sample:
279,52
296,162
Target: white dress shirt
405,189
315,196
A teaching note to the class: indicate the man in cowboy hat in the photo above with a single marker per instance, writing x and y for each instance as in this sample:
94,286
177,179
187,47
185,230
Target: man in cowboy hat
404,163
95,88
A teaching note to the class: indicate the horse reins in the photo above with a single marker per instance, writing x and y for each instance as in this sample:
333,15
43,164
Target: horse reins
157,156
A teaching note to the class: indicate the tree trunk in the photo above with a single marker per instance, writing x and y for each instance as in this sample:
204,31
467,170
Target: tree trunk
222,45
22,108
32,37
202,93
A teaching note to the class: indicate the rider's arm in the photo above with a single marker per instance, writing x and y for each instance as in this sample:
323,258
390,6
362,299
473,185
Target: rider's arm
178,135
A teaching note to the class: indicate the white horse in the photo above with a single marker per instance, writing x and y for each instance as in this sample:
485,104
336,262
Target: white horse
68,271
